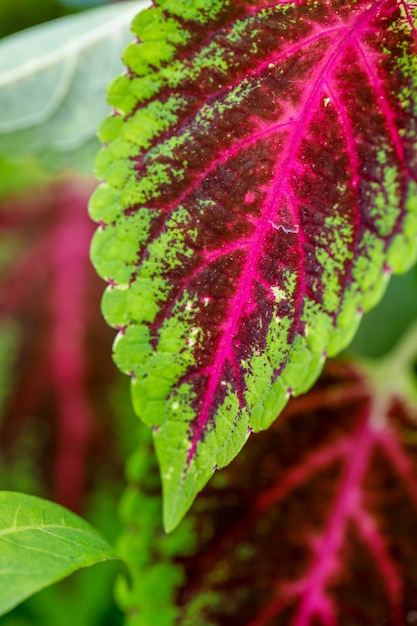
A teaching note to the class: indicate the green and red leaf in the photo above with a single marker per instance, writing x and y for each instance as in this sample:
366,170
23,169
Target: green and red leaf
50,297
260,187
314,523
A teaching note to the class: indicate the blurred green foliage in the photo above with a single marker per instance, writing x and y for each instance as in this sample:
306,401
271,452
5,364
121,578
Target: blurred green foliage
16,176
21,14
383,327
86,598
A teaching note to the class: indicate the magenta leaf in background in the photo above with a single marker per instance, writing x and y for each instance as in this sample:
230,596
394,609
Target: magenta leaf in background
259,190
49,290
315,523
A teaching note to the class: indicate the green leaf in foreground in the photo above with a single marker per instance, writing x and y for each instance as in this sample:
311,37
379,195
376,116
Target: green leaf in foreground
40,543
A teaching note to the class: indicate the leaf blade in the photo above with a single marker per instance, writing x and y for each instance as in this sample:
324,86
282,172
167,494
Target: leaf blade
246,234
41,542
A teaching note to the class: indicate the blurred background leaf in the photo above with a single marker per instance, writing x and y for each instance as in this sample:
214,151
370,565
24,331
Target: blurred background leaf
29,431
32,439
53,81
382,327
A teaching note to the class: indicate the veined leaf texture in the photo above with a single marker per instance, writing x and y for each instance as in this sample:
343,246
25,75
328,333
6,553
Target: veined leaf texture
312,525
41,542
259,189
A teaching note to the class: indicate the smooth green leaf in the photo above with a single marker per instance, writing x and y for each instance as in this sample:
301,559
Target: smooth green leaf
40,543
53,81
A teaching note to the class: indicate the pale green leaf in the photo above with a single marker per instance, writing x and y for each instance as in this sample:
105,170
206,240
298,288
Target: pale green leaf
8,349
53,81
40,543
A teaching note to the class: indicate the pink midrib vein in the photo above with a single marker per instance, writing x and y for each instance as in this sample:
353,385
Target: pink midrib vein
327,549
247,276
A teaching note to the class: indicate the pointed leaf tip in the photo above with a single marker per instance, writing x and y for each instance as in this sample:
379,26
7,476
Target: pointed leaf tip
260,183
41,543
326,499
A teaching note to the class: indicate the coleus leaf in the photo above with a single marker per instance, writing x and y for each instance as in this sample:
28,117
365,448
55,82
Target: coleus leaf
41,542
49,298
314,523
52,79
259,190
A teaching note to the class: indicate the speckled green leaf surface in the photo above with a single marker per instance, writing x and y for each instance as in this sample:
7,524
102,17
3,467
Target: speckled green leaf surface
40,543
259,188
